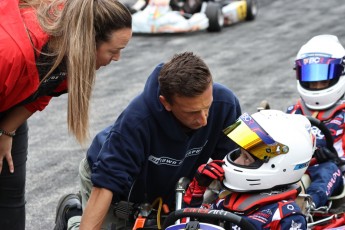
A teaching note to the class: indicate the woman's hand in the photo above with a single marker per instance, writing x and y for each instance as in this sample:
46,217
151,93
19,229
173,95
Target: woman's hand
10,122
5,152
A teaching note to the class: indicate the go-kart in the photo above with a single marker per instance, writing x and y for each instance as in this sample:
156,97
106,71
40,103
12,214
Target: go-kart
198,219
152,216
332,215
181,16
155,216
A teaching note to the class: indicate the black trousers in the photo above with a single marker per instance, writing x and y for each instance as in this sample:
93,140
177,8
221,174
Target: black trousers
12,186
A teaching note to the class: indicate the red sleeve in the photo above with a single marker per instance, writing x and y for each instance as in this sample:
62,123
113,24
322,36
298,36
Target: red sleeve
39,104
18,73
42,102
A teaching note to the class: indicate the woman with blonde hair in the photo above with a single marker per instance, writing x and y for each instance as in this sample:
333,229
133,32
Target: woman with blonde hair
47,47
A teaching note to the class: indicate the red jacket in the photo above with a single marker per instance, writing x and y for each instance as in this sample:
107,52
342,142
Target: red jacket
18,73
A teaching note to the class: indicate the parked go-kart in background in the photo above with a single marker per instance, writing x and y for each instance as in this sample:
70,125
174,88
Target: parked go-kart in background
179,16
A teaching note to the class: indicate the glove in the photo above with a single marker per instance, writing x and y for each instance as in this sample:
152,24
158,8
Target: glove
323,154
206,173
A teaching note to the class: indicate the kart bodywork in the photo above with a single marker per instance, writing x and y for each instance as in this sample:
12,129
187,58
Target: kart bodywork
175,16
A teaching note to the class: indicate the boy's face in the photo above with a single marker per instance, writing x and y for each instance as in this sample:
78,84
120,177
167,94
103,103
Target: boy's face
192,112
319,84
244,158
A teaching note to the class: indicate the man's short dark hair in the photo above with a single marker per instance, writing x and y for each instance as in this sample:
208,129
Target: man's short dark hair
186,75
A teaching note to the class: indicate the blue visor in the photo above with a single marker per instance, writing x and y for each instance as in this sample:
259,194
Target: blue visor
318,69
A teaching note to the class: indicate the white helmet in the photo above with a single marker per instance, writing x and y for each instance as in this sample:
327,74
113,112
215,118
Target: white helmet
281,144
320,59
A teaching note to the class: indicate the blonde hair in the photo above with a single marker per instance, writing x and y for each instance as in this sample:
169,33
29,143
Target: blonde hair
76,28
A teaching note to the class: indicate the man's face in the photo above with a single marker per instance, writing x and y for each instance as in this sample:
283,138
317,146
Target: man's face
192,112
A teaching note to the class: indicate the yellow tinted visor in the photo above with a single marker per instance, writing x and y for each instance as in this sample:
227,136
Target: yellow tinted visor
249,135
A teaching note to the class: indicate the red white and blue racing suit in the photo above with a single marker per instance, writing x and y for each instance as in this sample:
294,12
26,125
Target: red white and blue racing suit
327,178
265,210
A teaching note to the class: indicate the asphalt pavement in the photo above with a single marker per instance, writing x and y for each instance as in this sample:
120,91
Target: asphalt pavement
254,59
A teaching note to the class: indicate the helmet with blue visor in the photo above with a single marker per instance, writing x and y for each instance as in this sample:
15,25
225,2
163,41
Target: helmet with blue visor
320,61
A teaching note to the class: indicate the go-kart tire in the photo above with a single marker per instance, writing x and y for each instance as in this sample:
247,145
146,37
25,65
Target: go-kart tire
215,17
252,9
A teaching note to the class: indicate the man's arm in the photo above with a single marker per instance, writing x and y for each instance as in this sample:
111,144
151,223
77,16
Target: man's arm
96,208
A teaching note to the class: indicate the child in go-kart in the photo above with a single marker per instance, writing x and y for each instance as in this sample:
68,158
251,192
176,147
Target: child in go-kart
260,177
321,85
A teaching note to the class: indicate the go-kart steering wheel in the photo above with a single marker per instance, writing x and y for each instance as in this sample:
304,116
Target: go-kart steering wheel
208,214
328,137
323,128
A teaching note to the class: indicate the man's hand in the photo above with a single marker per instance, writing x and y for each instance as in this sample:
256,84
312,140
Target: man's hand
205,175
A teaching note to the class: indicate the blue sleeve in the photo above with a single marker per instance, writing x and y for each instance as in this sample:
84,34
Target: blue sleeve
120,158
